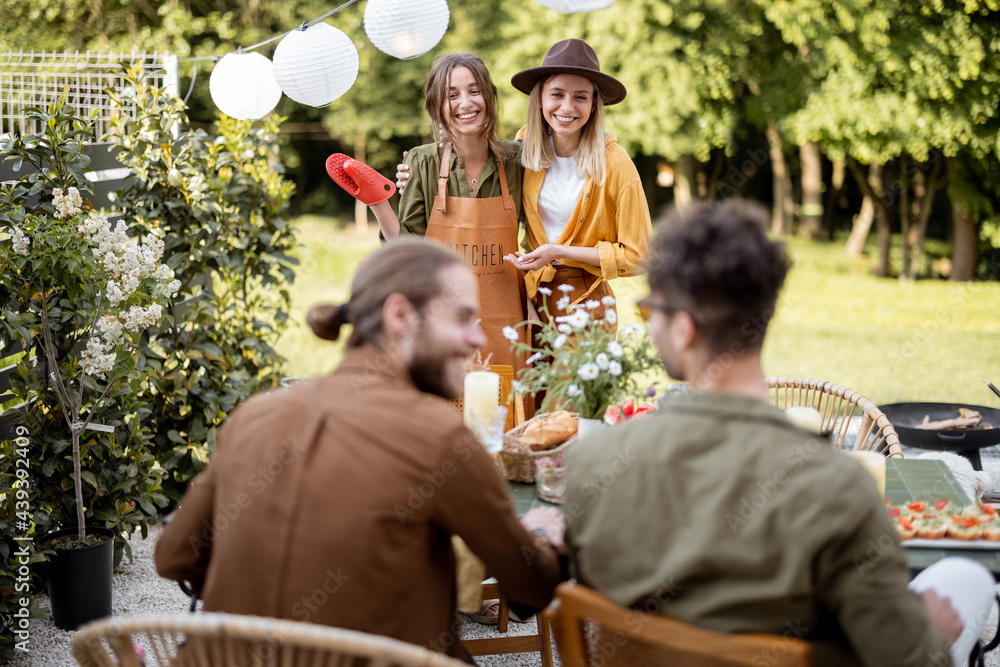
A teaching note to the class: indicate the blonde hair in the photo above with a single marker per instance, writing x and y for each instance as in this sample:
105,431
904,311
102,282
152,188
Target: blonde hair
436,93
537,152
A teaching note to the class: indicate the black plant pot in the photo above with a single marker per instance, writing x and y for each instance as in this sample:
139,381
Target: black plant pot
79,580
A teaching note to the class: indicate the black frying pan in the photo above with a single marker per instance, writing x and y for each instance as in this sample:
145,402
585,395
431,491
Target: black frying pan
904,416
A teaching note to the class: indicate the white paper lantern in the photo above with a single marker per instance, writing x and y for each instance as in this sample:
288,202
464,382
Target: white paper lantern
406,28
317,65
243,86
573,6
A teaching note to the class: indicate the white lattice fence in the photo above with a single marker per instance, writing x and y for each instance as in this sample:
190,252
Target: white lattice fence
36,79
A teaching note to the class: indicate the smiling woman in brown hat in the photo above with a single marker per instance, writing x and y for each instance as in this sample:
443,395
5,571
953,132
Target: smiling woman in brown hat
587,218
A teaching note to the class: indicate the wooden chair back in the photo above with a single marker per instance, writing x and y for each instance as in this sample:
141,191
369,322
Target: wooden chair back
215,639
837,405
592,631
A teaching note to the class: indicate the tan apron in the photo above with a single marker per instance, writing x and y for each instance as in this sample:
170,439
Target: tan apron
583,282
483,231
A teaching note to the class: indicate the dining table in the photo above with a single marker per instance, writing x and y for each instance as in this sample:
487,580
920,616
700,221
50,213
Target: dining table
906,480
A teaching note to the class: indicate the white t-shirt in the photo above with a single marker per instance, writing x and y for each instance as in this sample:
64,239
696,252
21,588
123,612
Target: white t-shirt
560,192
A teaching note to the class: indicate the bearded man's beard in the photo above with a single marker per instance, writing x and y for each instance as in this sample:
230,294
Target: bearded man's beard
430,376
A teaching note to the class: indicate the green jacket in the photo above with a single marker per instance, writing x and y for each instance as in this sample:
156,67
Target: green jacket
417,200
720,512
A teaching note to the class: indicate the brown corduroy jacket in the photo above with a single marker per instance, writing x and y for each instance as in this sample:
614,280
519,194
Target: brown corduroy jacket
334,502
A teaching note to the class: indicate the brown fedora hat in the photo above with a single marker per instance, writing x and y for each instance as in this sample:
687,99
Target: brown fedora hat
571,56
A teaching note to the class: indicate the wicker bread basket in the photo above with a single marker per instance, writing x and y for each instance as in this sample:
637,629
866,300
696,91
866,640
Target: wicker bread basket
519,460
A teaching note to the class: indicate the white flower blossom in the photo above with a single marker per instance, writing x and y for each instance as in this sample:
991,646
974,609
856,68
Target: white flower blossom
172,288
137,318
608,301
518,387
111,328
610,316
615,349
114,293
533,358
545,290
592,304
573,391
559,341
579,319
588,371
565,289
615,369
66,205
130,282
94,359
629,333
563,303
510,333
602,361
565,328
19,241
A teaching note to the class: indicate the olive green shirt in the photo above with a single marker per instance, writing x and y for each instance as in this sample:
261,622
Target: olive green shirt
417,200
718,511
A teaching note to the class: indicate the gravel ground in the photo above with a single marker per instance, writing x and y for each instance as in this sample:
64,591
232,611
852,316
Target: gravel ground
139,590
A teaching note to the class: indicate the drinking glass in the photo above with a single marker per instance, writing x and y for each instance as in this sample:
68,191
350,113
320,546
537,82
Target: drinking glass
488,427
550,478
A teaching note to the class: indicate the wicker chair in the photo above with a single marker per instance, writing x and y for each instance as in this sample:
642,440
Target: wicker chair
593,631
837,405
228,640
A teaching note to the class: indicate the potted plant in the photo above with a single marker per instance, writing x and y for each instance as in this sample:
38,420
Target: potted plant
578,360
85,291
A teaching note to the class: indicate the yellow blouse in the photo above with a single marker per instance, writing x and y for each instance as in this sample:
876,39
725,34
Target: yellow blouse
612,217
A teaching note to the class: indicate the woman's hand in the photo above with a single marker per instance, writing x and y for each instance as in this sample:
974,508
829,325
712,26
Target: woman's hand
402,174
536,259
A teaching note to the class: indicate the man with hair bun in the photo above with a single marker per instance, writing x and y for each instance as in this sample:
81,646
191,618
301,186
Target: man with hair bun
335,501
719,511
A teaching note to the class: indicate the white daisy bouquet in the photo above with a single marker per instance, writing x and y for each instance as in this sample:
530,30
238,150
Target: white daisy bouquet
576,359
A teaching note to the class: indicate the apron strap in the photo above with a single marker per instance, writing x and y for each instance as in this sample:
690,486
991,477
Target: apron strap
443,176
508,201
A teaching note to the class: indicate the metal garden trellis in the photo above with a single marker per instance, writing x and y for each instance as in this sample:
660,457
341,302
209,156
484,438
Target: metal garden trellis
36,79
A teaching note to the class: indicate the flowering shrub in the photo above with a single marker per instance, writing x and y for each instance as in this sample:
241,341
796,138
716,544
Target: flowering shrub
221,205
577,360
77,293
120,286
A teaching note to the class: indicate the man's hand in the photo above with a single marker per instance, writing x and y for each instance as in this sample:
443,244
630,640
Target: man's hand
942,614
549,520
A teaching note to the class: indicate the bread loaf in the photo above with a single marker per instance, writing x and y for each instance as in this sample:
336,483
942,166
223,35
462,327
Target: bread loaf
548,431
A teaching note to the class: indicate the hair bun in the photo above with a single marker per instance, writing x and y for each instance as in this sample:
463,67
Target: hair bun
326,320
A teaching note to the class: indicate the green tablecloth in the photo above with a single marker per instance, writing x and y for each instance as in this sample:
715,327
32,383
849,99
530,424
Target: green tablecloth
905,480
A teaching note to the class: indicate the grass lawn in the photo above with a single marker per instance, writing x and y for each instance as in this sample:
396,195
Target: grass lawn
890,341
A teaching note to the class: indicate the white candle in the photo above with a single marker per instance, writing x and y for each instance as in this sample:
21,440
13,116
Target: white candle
805,418
482,395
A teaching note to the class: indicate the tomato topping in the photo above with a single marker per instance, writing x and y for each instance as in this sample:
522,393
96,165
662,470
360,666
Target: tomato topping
987,508
940,504
917,506
905,523
894,511
968,523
